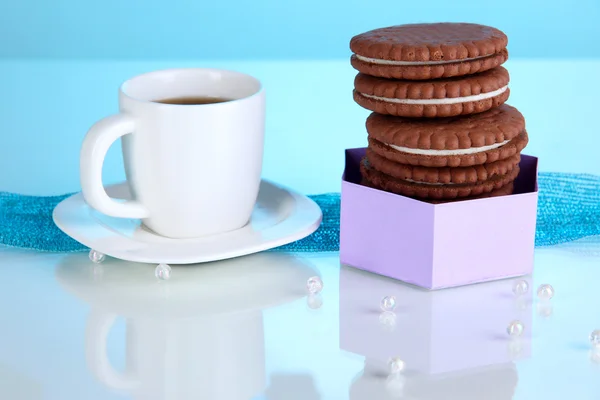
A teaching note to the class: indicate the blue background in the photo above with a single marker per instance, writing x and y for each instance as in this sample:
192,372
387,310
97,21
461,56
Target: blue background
276,29
62,61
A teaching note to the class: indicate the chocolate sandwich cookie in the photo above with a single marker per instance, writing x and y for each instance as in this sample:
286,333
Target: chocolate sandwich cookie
378,179
505,190
483,138
428,51
443,175
438,98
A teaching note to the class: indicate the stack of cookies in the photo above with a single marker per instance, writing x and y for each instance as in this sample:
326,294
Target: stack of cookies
439,129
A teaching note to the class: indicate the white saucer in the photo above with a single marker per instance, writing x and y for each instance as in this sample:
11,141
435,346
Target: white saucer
280,216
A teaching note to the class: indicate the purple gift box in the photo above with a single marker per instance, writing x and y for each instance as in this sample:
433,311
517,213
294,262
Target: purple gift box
437,246
434,332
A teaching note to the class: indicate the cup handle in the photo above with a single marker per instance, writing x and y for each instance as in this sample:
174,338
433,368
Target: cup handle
93,151
97,329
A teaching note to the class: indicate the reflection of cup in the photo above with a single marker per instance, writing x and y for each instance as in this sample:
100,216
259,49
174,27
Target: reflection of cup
436,332
168,360
198,335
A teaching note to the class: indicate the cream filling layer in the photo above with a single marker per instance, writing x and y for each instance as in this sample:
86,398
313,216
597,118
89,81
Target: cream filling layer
457,152
429,183
407,63
450,100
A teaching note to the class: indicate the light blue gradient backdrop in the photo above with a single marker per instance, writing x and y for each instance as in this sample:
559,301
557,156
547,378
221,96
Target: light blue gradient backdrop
61,63
47,105
276,29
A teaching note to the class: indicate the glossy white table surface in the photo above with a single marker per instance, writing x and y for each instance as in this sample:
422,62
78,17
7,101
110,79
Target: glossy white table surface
244,329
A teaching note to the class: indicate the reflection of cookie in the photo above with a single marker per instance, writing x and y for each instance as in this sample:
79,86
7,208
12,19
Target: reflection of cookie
385,182
482,138
444,175
428,51
438,98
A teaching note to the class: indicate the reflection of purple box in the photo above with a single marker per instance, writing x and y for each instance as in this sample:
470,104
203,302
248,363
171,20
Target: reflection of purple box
438,245
434,332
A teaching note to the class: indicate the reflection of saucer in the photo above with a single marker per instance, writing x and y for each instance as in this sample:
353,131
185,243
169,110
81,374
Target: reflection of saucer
231,286
280,217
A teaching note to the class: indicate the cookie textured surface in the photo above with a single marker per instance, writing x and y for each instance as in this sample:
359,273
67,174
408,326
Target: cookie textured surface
388,183
505,190
437,98
487,137
444,175
428,51
507,150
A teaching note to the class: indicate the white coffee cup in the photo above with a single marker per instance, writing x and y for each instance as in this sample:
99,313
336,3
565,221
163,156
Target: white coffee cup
193,170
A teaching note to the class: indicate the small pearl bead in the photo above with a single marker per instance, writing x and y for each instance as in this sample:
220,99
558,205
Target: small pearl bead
515,328
314,285
96,257
396,365
521,287
388,303
545,292
163,272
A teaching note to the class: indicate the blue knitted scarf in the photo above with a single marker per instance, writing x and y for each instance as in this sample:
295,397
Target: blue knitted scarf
568,209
